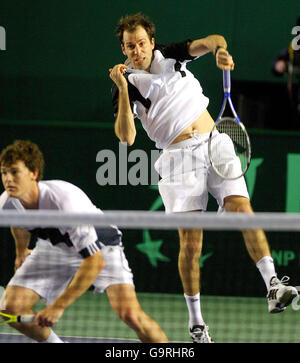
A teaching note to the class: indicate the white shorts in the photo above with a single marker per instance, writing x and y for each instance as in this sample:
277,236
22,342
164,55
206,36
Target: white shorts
49,270
187,175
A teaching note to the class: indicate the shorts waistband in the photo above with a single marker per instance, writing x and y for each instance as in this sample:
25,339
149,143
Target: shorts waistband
195,139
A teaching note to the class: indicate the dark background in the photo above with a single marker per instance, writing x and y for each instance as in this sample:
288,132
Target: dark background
55,66
55,91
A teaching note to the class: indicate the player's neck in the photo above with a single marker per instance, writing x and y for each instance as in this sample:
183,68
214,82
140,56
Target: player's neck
30,200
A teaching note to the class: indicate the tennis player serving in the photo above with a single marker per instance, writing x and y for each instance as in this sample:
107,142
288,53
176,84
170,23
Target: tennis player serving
155,86
65,261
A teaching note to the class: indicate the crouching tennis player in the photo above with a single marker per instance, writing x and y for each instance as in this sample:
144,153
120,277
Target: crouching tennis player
66,261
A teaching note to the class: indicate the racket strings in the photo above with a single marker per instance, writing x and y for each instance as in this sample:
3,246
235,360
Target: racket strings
230,151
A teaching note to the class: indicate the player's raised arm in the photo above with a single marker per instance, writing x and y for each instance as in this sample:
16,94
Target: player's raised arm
124,123
215,44
199,47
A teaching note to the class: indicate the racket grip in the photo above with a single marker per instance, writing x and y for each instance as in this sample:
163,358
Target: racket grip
26,318
226,81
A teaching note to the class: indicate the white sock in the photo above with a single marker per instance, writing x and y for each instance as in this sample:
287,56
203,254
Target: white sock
267,269
194,308
53,338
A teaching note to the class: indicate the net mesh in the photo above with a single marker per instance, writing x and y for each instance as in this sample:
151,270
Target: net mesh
233,294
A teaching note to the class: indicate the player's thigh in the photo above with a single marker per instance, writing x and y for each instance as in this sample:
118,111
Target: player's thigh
183,183
226,190
237,203
123,299
19,300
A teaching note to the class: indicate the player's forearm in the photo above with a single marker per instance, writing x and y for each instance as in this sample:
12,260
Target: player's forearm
124,124
82,280
202,46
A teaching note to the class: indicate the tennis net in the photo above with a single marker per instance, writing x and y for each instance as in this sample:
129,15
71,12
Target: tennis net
233,294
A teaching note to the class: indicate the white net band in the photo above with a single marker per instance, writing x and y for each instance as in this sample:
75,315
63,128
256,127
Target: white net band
153,220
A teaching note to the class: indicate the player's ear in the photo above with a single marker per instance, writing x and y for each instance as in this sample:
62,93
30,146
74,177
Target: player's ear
35,174
152,43
123,49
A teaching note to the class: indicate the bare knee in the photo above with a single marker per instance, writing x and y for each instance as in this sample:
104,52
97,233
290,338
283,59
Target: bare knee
18,300
190,242
11,306
132,317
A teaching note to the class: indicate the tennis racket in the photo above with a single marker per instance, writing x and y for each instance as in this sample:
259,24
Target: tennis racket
229,147
29,318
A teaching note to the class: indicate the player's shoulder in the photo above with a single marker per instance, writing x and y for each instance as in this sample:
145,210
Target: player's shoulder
175,50
61,192
3,199
57,186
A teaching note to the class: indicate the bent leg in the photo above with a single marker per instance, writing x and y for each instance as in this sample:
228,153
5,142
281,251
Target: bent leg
19,300
255,239
123,300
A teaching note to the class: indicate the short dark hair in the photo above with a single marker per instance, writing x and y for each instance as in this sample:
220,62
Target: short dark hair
25,151
131,22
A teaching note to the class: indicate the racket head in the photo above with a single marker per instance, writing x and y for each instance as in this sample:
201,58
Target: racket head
27,318
7,318
229,148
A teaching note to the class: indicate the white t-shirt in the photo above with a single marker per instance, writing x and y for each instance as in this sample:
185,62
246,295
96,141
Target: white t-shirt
64,196
168,98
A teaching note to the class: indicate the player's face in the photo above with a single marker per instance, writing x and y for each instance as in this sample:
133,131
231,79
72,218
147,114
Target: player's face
138,48
18,180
